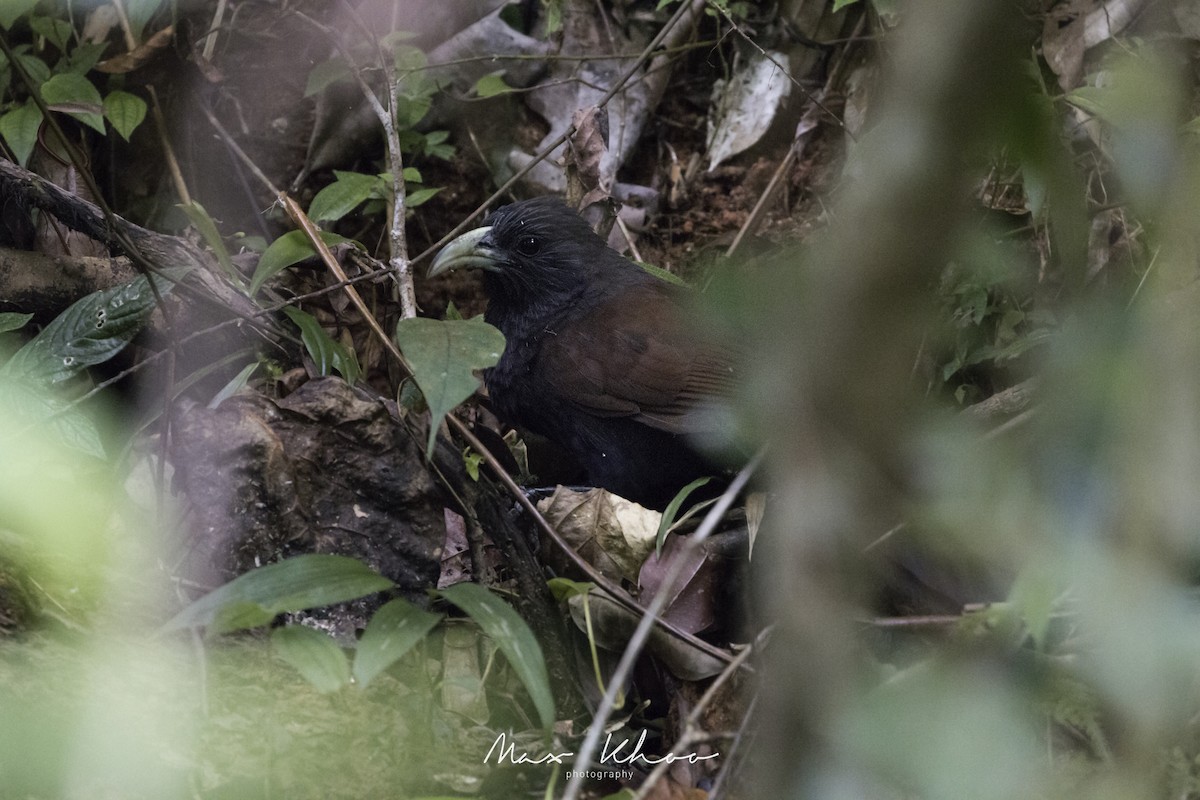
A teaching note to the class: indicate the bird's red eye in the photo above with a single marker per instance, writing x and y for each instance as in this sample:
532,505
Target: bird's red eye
529,245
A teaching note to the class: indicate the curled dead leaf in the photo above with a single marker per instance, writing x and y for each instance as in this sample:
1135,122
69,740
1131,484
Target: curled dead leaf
139,56
610,533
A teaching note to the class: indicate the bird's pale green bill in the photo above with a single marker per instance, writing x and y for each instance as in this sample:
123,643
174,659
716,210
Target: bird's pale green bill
468,251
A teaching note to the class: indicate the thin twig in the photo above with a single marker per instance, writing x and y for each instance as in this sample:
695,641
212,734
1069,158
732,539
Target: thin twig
633,248
885,536
210,38
1137,290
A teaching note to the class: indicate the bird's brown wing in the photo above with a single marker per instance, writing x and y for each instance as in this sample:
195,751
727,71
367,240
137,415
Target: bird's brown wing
633,356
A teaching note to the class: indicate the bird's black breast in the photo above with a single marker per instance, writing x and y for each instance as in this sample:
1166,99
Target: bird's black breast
520,389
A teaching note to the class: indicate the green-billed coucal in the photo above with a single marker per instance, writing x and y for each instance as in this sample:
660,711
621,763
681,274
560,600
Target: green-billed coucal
598,356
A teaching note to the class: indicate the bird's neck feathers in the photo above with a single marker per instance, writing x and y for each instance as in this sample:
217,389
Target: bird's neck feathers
524,314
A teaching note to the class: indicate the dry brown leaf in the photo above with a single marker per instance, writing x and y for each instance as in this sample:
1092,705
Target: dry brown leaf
609,532
140,56
584,156
690,606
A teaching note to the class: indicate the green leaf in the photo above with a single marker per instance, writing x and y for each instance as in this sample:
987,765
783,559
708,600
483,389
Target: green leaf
442,151
89,332
75,95
314,655
838,5
82,57
392,632
565,588
420,196
326,73
668,515
204,223
471,461
662,274
239,616
411,174
409,397
326,353
19,128
12,321
346,193
252,243
236,383
38,71
1092,99
44,408
298,583
1036,190
56,31
411,110
435,145
408,58
125,111
443,355
11,10
514,638
1033,595
491,85
288,249
553,9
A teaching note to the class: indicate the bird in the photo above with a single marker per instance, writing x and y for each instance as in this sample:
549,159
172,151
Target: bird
600,357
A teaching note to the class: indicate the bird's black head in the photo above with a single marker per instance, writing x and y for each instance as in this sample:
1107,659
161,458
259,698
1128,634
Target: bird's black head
532,252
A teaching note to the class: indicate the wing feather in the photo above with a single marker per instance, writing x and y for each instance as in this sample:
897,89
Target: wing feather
635,357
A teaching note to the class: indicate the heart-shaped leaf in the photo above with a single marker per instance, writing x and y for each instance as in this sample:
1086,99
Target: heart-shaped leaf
444,355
